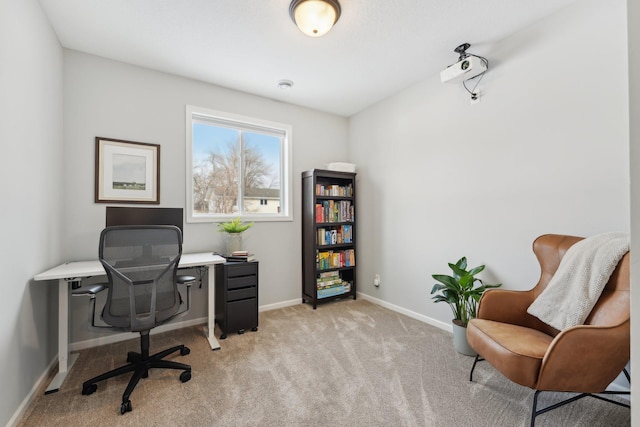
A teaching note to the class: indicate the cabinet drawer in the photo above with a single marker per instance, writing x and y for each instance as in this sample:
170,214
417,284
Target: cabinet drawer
239,294
241,282
242,315
242,269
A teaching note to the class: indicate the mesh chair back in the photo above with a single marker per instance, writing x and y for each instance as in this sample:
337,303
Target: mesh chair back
141,263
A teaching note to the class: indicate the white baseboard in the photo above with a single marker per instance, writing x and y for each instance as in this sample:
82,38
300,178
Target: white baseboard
278,305
431,321
17,416
123,336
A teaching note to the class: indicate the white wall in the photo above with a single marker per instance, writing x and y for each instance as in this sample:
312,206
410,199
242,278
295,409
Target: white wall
633,19
115,100
31,192
545,151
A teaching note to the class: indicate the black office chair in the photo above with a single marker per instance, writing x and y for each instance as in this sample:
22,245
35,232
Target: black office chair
141,263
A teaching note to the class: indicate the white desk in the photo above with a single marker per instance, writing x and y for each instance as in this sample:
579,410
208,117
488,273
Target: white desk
76,271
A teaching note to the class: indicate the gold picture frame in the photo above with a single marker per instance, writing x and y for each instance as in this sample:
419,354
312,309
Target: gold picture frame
127,172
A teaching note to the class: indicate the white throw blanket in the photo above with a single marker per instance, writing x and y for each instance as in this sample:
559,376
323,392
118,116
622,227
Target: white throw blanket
577,284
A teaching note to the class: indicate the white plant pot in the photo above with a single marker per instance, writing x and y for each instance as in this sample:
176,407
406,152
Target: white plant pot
234,242
460,342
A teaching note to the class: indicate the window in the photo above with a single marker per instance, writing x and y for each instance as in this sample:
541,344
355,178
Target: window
236,166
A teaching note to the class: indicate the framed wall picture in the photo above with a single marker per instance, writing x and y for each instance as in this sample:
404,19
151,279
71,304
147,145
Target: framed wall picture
127,172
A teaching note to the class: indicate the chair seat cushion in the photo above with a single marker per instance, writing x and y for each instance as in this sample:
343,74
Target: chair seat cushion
515,351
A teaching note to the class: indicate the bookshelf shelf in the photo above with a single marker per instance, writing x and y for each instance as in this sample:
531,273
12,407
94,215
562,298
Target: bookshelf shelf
328,235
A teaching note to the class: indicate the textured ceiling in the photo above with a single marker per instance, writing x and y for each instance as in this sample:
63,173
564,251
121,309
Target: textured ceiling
377,48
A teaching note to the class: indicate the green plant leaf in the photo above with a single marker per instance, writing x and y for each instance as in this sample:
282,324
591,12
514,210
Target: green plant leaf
476,270
460,290
447,280
234,226
457,270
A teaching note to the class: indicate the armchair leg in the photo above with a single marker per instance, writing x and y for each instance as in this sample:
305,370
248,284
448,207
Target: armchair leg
535,412
475,361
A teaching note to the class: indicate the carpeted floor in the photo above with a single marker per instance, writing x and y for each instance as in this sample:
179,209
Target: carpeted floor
348,363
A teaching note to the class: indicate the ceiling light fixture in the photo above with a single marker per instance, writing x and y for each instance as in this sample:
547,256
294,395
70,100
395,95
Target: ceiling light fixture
314,17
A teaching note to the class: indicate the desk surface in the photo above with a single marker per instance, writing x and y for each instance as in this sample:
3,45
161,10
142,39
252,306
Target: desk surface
80,269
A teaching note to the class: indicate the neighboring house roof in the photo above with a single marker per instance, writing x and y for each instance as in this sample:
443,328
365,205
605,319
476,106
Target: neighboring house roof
262,193
254,193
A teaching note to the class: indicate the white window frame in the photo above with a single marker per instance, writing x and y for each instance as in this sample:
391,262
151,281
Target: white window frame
246,123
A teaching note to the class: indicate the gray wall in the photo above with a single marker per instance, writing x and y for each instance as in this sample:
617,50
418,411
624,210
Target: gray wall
545,151
115,100
31,195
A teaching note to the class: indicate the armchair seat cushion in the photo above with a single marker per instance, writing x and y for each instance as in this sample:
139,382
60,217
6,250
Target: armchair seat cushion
515,351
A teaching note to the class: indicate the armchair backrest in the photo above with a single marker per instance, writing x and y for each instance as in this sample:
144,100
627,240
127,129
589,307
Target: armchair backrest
612,308
141,263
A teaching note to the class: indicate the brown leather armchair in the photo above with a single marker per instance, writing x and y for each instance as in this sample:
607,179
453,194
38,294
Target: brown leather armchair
583,359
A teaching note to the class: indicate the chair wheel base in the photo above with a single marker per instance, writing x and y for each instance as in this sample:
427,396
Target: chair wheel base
126,407
89,389
185,376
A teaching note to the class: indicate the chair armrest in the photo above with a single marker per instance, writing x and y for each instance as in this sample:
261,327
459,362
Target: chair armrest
505,306
186,280
92,291
585,358
89,291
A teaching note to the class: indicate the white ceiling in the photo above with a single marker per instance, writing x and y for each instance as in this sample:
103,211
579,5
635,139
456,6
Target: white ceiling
377,48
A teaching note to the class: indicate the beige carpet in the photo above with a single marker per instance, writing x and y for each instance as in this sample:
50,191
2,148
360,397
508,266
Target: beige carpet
348,363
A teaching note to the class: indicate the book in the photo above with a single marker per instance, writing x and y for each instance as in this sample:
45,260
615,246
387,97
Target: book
239,258
328,292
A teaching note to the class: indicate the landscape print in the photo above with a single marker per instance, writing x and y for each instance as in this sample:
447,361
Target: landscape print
129,172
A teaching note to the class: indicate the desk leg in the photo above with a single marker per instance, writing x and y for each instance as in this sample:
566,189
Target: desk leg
213,342
65,361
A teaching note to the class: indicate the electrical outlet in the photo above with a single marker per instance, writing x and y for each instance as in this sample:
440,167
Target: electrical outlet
376,281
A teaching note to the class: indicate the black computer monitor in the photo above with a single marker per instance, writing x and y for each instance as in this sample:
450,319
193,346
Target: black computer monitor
117,215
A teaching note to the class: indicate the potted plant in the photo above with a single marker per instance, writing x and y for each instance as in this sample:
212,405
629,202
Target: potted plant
234,230
462,291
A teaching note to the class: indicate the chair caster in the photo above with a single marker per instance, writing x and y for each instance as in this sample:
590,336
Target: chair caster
185,376
223,336
255,328
125,407
184,351
89,389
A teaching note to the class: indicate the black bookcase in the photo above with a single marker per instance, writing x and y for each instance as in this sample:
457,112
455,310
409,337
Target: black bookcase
328,235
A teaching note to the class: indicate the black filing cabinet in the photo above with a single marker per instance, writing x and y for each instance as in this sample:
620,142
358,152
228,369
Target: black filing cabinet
236,297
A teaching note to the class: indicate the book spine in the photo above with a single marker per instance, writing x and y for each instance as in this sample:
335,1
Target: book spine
329,274
328,292
319,213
